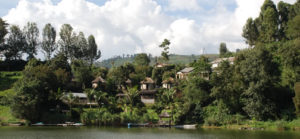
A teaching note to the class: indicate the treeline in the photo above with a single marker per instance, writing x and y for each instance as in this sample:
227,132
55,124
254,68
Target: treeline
14,42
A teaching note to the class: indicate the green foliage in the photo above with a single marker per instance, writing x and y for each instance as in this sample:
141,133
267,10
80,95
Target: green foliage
141,59
223,49
82,73
3,31
296,99
7,79
48,43
6,116
67,41
34,92
226,88
250,32
293,28
165,53
197,91
93,54
16,44
201,65
60,61
31,33
259,74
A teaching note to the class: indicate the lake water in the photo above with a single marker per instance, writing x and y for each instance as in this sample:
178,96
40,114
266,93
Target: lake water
137,133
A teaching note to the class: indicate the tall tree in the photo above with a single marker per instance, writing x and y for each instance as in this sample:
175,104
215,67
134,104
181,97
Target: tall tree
81,47
3,30
268,30
16,43
223,49
141,59
283,12
66,42
31,32
165,45
250,32
49,37
93,53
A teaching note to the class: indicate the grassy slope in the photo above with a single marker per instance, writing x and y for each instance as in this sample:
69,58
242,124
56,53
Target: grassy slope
7,79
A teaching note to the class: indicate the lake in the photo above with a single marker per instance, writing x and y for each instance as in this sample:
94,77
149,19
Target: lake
137,133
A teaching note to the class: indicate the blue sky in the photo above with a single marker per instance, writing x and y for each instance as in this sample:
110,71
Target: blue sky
135,26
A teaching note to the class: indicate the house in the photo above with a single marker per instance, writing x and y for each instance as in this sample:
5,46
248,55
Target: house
168,83
77,99
148,91
183,74
160,65
205,75
128,82
97,81
216,62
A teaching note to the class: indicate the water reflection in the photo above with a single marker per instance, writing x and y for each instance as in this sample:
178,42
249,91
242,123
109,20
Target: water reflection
137,133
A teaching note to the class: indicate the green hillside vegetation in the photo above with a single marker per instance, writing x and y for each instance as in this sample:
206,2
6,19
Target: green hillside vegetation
7,79
174,59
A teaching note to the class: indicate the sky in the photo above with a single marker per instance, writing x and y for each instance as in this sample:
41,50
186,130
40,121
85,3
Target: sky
136,26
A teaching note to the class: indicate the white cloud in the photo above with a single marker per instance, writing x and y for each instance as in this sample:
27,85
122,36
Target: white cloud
190,5
132,26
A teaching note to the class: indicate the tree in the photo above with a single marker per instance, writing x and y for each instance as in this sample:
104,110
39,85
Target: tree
49,37
250,32
16,43
259,77
34,92
66,42
81,50
201,65
226,87
93,53
3,31
141,59
268,29
82,73
71,99
284,13
293,30
165,45
60,61
296,99
31,33
223,49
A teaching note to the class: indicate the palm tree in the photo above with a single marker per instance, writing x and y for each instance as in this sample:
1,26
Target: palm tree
99,95
90,95
70,98
169,94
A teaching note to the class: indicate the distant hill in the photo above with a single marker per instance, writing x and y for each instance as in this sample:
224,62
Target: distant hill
174,59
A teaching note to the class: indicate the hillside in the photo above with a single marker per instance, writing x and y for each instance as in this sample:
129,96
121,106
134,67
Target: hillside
174,59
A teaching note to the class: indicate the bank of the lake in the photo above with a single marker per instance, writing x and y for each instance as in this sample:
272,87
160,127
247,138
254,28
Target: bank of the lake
137,133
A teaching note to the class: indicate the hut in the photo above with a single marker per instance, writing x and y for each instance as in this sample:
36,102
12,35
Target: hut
97,81
128,82
168,83
148,91
162,116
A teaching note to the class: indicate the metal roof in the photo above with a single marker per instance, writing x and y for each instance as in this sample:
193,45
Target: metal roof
187,70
